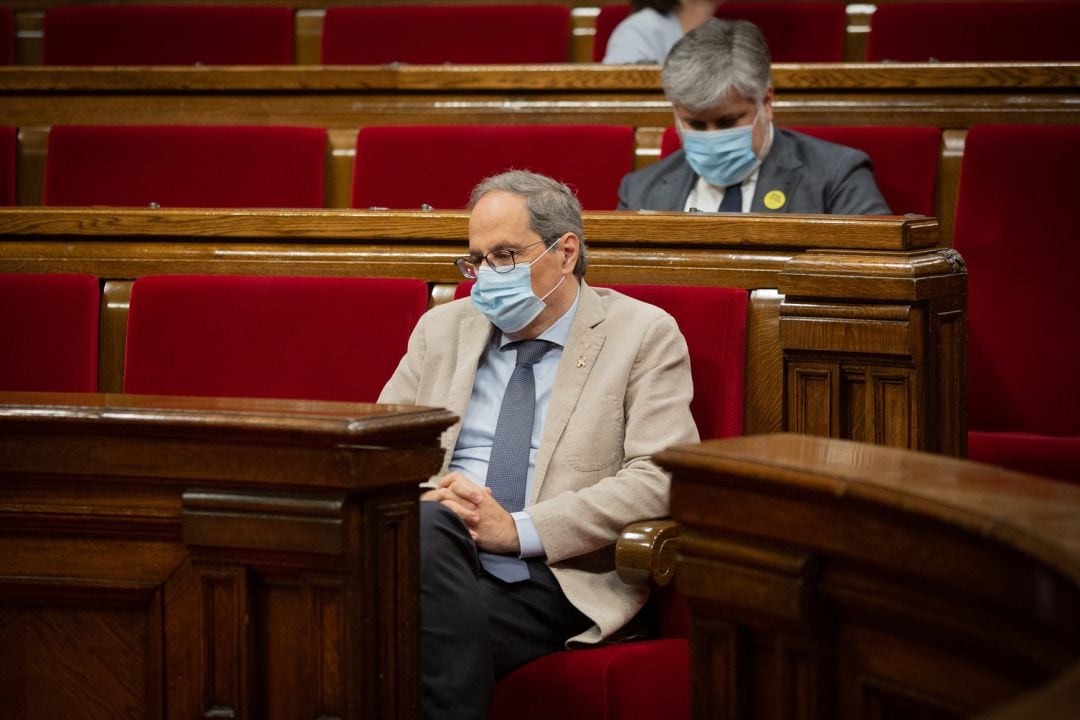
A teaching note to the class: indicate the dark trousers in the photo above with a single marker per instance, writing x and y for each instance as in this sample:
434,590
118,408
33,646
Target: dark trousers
475,628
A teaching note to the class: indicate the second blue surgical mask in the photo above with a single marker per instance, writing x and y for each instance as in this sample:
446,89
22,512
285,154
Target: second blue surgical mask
723,157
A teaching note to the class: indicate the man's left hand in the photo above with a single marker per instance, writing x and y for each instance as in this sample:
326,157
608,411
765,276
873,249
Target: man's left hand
492,527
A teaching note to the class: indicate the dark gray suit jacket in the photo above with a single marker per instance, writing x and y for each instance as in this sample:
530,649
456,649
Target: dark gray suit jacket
815,177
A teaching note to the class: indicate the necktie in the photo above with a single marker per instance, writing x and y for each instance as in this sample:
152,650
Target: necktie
732,201
509,464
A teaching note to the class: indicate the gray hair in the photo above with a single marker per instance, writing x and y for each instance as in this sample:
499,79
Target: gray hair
553,208
712,59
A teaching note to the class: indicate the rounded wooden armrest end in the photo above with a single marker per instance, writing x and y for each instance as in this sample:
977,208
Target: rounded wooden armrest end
645,551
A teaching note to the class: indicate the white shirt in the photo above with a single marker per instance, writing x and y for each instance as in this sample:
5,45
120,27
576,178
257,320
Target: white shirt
644,37
473,449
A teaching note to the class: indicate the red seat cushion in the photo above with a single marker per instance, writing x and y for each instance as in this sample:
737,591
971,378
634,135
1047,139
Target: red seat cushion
1015,231
8,150
185,166
436,34
168,35
644,680
905,160
975,31
405,167
795,31
1051,456
288,337
49,326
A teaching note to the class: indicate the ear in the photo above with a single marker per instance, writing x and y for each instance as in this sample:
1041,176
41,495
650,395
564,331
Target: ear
766,103
569,248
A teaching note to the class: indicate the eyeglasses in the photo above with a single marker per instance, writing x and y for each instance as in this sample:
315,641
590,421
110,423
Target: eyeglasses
501,261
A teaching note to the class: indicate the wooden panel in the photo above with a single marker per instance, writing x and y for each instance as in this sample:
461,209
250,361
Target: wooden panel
813,397
764,366
30,165
854,412
882,583
115,304
140,578
895,403
228,661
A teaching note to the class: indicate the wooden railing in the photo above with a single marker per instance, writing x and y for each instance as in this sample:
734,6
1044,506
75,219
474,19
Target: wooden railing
210,558
831,579
856,326
952,97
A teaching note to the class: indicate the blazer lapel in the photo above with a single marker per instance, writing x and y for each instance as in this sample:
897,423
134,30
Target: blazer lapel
578,360
473,335
779,172
673,187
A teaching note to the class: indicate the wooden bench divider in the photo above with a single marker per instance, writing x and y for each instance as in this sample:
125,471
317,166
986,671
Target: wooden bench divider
856,325
952,97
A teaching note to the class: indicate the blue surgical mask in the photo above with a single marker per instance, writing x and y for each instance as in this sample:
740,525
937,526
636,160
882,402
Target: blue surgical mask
507,298
723,157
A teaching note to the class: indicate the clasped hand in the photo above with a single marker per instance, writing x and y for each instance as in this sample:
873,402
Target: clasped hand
491,526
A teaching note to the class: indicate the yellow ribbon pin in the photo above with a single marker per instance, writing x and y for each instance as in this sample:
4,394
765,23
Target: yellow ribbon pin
775,199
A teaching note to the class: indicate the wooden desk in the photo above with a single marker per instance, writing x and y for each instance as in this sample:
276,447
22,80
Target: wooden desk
830,579
856,326
210,558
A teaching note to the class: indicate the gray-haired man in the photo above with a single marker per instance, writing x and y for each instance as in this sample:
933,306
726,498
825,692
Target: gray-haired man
718,78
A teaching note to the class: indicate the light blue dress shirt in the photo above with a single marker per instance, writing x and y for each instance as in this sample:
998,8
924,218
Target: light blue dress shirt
473,449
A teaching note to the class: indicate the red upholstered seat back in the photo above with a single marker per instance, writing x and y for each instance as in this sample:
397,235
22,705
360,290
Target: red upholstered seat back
905,159
405,167
437,34
288,337
7,36
185,166
8,148
49,331
795,31
975,31
1019,234
168,35
713,321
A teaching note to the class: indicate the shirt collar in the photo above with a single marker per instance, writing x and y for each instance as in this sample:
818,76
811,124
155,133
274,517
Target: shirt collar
558,331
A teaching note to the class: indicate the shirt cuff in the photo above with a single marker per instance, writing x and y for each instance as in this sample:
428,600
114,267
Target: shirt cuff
528,538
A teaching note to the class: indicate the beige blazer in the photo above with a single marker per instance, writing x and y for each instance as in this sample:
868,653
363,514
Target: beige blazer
622,392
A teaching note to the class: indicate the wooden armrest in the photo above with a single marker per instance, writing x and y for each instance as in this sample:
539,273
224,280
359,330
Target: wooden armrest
646,551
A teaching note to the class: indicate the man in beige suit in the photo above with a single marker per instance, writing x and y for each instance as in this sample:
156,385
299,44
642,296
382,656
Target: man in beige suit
610,375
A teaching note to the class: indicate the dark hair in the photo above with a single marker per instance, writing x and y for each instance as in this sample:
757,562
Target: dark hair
661,6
